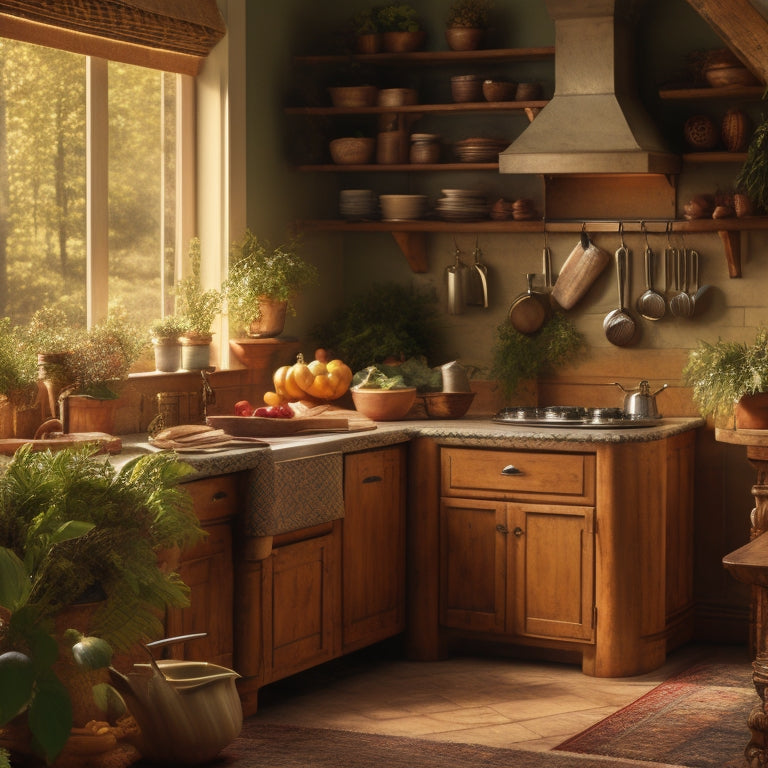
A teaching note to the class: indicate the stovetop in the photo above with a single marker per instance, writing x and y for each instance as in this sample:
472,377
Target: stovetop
572,416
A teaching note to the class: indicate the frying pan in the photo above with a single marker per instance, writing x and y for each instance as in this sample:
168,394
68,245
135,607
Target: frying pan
529,310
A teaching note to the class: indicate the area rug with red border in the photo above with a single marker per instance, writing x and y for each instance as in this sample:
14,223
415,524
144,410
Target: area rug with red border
697,718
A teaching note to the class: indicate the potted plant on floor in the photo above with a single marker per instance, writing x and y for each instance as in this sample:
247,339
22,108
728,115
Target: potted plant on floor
198,308
730,381
80,577
165,334
263,282
466,24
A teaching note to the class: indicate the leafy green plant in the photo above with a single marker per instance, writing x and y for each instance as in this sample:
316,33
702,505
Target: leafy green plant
752,179
18,365
260,271
49,331
397,17
168,327
517,357
72,526
196,306
720,374
390,321
469,13
365,22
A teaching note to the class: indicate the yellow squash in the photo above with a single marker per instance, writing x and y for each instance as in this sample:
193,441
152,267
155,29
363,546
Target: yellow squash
317,380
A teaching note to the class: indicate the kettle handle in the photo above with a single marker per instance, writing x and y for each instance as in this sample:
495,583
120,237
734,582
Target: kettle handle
621,387
660,389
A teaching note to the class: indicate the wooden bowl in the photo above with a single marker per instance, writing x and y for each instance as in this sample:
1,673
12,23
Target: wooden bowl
447,405
465,88
354,95
352,150
384,404
499,90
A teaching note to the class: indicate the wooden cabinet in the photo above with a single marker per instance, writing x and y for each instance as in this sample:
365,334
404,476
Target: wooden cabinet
207,568
521,569
373,583
583,549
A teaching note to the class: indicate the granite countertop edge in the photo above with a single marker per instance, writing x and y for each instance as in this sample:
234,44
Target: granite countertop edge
478,432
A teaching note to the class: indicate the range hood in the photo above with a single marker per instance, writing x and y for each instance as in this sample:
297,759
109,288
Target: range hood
595,123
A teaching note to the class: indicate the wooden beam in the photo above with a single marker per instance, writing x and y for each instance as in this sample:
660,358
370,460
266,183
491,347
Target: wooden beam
732,244
414,248
743,29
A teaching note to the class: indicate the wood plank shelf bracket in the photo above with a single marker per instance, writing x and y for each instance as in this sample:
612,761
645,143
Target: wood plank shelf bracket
414,248
732,244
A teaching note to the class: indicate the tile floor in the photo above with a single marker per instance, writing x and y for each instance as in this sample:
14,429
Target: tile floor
496,702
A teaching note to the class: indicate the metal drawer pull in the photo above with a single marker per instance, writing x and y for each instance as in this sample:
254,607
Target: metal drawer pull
502,528
219,495
372,479
518,531
511,469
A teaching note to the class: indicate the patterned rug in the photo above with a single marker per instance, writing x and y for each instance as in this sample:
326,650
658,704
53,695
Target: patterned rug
697,718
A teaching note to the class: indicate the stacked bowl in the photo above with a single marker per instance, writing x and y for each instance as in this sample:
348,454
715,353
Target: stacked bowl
479,150
403,207
358,204
462,205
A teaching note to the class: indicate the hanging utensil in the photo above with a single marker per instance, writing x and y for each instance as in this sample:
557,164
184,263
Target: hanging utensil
650,304
619,326
699,288
528,311
455,277
679,304
585,262
477,281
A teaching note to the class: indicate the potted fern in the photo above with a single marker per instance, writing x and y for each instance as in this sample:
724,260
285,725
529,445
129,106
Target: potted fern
262,283
466,24
198,308
79,579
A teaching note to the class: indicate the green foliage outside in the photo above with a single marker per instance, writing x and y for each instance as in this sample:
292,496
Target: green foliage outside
43,166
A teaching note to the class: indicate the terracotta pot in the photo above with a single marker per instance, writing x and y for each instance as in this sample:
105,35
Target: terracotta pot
271,321
464,38
403,42
370,43
751,412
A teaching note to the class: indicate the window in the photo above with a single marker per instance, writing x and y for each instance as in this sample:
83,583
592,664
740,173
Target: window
54,202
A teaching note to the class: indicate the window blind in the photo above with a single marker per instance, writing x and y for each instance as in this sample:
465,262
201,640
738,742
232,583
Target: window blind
173,35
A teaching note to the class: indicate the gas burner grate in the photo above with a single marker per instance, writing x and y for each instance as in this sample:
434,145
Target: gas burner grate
571,416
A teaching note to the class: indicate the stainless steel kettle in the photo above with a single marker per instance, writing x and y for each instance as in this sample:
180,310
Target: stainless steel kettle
641,402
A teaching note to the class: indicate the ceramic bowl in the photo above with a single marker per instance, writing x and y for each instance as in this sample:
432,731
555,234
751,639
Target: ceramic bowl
352,150
466,88
499,90
384,404
402,207
447,405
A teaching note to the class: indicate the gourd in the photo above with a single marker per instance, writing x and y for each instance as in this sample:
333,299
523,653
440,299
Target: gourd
317,380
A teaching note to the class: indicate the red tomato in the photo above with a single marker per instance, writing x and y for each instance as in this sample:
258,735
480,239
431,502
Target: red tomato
243,408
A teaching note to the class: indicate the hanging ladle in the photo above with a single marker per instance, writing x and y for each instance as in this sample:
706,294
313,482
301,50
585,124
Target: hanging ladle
651,304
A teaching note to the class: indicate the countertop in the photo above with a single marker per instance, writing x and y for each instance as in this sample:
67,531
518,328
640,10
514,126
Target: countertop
470,432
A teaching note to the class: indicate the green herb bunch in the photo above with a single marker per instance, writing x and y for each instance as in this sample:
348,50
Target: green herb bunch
753,176
397,17
18,365
720,374
168,327
469,13
517,357
198,307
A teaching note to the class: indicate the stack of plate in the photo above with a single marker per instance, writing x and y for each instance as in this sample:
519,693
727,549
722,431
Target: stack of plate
358,204
479,150
461,205
403,207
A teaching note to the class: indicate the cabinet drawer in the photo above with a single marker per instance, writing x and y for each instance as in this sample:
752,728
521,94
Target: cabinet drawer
214,497
525,475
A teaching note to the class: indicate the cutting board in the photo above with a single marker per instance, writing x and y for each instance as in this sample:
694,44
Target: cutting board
107,443
331,420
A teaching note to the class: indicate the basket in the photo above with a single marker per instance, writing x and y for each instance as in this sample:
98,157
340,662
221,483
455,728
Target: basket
352,150
354,95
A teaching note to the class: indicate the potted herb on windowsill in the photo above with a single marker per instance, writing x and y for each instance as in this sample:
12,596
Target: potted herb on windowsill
19,410
730,381
198,308
263,282
518,357
165,334
80,578
466,24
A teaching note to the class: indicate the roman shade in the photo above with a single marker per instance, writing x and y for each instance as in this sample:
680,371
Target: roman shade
172,35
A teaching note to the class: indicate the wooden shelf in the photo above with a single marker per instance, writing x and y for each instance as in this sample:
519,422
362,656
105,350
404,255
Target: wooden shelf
398,167
411,235
421,109
714,157
735,92
435,57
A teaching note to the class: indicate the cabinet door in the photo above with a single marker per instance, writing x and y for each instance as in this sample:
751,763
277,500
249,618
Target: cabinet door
303,584
552,548
207,570
473,564
373,555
